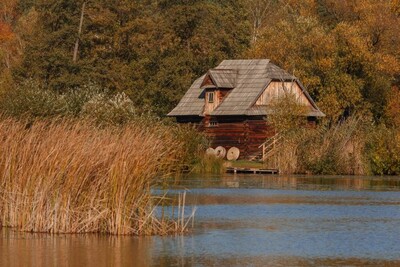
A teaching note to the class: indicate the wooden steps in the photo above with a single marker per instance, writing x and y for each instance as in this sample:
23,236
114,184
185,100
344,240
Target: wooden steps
270,147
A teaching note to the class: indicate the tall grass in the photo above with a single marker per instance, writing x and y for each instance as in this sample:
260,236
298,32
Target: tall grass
209,164
70,177
337,149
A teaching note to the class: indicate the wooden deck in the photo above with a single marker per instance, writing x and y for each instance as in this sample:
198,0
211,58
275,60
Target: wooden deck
252,170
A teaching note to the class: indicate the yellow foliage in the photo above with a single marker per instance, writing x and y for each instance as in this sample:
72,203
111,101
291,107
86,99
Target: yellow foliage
387,64
288,114
395,6
346,57
393,107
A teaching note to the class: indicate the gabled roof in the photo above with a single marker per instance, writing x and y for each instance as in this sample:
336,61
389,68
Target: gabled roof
249,79
222,78
192,102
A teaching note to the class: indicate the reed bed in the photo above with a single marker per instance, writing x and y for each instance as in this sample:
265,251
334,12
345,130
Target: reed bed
338,149
71,177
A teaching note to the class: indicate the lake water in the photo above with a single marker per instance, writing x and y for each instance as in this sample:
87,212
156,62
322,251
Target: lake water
245,220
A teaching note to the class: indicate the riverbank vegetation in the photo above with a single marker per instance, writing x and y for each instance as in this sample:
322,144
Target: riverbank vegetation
356,145
68,176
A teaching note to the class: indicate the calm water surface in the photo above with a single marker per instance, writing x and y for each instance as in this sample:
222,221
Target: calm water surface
245,220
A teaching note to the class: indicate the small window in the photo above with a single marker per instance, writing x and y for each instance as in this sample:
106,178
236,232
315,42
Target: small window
213,124
211,97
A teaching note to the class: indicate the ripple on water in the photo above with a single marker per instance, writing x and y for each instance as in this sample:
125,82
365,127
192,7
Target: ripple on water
245,221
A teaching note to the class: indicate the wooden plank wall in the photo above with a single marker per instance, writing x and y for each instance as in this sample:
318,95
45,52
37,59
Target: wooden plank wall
257,132
247,135
277,89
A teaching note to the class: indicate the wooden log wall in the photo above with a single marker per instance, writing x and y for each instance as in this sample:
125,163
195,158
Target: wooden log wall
243,133
257,132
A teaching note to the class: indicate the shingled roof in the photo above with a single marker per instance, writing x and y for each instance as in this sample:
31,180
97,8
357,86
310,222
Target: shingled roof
222,78
248,78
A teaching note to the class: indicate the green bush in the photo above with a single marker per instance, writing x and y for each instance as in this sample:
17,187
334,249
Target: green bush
89,101
209,164
195,143
117,109
30,100
383,150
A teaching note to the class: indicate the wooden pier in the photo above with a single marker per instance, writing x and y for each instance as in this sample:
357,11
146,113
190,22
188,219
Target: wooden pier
252,170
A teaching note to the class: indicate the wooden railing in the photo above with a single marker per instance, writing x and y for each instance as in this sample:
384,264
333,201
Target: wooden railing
269,147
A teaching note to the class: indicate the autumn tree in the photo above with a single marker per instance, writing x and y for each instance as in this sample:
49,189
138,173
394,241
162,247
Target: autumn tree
149,50
10,48
345,52
393,108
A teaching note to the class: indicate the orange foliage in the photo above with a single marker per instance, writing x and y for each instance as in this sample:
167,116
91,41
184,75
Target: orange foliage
10,51
6,33
393,107
8,10
395,5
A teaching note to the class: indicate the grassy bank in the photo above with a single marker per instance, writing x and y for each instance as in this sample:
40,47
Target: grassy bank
351,147
65,176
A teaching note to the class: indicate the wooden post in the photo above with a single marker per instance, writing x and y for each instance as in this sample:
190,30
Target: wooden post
263,151
274,148
246,138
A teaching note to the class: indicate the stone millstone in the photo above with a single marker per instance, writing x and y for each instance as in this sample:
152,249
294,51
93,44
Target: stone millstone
233,153
220,152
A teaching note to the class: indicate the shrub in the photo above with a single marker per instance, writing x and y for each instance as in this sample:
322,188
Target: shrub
209,164
194,145
30,100
288,114
383,150
117,109
89,101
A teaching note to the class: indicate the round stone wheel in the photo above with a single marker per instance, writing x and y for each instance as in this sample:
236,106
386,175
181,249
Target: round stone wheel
220,152
210,151
233,153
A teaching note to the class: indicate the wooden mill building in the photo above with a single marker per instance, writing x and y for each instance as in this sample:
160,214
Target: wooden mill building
231,103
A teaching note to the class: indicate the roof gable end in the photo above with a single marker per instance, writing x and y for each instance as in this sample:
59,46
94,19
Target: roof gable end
220,78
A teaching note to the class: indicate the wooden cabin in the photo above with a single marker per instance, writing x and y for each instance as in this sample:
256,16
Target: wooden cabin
230,103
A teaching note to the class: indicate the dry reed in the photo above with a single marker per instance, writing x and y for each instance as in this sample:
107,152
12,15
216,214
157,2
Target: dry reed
71,177
338,149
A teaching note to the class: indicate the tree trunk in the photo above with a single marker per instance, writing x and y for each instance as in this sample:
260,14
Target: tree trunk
74,58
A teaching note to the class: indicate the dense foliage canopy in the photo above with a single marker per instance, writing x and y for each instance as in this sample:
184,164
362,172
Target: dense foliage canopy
347,53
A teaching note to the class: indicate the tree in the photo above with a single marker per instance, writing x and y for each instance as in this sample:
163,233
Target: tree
259,11
287,114
345,52
393,108
10,48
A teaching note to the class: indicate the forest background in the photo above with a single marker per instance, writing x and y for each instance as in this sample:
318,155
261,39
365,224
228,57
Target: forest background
140,57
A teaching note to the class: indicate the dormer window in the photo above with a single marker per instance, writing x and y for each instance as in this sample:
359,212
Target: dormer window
211,97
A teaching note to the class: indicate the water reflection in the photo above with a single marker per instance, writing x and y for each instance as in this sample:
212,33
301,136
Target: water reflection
297,182
94,250
245,220
27,249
